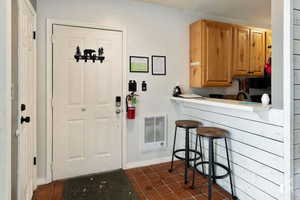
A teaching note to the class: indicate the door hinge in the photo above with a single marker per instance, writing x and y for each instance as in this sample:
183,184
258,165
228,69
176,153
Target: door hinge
34,35
34,160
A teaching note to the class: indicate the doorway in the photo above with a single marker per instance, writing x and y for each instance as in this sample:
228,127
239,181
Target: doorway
87,126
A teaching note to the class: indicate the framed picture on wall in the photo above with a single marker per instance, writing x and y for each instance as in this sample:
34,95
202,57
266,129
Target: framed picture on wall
159,65
139,64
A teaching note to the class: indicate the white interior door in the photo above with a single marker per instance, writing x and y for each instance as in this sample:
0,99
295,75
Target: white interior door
27,102
86,126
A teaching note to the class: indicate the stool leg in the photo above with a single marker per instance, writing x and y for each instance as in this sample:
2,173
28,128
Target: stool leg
187,155
213,166
230,175
173,153
195,156
210,171
201,152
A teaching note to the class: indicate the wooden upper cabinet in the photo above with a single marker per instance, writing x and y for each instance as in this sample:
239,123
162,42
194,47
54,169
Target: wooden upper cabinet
241,55
249,51
257,52
219,51
211,54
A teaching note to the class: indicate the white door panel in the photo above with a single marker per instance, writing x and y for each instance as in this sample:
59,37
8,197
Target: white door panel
26,96
86,129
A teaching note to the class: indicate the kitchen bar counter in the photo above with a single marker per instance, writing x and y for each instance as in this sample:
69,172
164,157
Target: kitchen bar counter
243,109
256,138
225,103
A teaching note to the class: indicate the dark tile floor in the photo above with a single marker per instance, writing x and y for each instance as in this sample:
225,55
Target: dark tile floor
151,183
156,183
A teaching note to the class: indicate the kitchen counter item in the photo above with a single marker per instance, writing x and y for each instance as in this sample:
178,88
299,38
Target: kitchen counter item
265,99
190,96
177,91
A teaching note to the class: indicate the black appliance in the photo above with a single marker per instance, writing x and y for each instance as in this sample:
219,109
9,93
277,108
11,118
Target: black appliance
177,91
260,83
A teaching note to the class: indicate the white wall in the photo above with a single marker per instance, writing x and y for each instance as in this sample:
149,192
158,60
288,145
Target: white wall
277,53
151,30
5,98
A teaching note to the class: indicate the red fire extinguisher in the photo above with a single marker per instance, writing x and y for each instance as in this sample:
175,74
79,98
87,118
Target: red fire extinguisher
131,102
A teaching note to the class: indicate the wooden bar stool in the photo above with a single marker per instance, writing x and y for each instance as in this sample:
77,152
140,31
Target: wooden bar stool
213,133
187,125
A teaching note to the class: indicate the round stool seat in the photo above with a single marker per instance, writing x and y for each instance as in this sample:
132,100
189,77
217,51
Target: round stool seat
188,124
212,132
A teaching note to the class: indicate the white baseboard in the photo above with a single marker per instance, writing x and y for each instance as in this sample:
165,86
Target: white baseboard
148,162
41,181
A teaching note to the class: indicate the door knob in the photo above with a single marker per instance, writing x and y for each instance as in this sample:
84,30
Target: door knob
25,120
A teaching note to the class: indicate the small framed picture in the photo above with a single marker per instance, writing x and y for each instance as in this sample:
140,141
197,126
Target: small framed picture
139,64
159,65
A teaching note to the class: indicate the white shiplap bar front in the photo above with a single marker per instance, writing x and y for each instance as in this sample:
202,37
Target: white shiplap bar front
256,146
296,64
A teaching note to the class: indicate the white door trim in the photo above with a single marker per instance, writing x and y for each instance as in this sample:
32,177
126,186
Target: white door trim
5,96
49,65
288,102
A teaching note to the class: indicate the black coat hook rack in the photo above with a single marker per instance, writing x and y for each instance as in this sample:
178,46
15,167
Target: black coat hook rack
89,54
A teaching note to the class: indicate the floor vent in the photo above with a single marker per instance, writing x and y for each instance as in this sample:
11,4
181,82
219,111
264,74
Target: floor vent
154,132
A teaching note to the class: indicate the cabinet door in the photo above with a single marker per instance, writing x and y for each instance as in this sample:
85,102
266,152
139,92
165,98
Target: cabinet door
195,55
257,55
217,54
241,53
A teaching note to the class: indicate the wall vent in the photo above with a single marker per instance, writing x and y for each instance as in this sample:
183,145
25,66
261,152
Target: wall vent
154,132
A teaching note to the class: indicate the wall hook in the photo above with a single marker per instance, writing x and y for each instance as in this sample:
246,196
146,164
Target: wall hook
89,54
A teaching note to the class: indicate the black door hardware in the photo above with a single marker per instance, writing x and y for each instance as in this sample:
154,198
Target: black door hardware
144,86
34,160
132,86
25,120
23,107
118,101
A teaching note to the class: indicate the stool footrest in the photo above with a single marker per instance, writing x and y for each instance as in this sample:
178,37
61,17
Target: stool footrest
183,158
216,164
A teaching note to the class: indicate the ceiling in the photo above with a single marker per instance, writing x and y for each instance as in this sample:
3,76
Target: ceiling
255,11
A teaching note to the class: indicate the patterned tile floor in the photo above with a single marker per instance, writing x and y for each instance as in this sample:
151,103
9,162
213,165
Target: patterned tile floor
156,183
